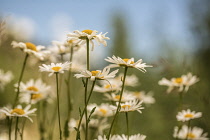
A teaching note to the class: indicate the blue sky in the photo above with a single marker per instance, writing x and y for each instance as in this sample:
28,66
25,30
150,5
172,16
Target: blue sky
146,20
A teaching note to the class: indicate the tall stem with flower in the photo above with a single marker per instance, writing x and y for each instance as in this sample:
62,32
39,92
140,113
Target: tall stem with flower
118,107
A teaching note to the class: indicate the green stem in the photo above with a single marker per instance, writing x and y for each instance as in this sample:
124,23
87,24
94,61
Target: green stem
118,107
10,127
58,106
126,115
86,116
88,55
188,130
16,128
20,79
69,109
23,126
83,112
88,68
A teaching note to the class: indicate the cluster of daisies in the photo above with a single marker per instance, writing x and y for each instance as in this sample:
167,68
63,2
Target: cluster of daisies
181,86
95,121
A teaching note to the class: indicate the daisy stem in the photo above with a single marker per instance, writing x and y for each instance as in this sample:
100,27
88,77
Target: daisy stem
188,125
20,79
69,109
118,107
86,85
58,106
10,127
16,128
86,117
91,91
88,57
23,126
126,115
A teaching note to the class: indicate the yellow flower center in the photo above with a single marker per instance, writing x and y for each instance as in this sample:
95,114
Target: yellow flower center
104,111
188,115
36,96
107,86
87,31
190,135
18,111
117,97
56,69
125,106
94,73
31,46
126,60
178,80
32,88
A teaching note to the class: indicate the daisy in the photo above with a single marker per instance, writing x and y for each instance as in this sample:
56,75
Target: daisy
19,111
80,37
5,78
98,74
194,133
133,105
34,87
108,86
59,48
186,115
118,62
146,98
131,80
182,83
30,48
103,110
55,68
116,97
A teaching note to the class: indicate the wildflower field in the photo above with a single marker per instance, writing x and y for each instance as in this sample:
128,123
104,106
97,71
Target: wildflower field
93,85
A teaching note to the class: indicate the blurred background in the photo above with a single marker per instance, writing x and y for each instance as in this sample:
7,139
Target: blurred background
173,36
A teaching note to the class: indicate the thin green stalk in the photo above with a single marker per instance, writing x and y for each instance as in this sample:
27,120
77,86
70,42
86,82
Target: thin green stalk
83,112
86,116
23,126
88,68
188,130
58,106
118,107
88,55
16,128
69,109
10,127
20,79
126,115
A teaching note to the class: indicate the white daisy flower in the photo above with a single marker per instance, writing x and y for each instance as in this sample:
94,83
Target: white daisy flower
19,111
133,105
59,48
118,62
116,97
34,87
74,123
5,78
81,36
186,115
30,48
123,137
103,110
98,74
146,98
110,86
182,83
55,68
131,80
194,133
